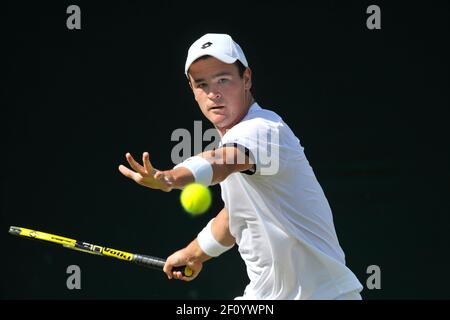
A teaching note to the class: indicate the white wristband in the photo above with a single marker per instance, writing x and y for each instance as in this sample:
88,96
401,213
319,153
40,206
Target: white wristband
209,244
200,167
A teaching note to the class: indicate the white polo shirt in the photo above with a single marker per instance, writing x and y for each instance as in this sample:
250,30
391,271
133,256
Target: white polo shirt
281,218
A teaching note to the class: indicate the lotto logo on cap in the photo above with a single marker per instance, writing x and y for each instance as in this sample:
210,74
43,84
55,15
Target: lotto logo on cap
206,45
219,46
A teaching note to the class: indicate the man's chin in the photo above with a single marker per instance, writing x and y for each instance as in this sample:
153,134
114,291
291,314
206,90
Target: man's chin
218,121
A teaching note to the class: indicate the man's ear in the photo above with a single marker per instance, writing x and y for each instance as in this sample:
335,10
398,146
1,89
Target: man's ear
190,85
189,80
247,79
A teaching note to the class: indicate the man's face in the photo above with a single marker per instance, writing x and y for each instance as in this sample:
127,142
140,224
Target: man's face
223,96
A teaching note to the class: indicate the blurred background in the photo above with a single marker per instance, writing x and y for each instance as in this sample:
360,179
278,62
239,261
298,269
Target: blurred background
369,106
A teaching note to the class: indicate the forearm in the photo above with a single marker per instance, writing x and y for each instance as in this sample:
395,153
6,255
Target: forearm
180,177
220,232
226,161
221,229
223,162
195,253
209,168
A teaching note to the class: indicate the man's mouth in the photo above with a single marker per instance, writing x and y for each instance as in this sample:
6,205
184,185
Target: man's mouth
215,108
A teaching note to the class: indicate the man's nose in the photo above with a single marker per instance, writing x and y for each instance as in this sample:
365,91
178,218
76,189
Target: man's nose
214,94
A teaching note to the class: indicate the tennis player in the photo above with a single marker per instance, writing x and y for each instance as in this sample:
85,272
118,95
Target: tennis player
275,209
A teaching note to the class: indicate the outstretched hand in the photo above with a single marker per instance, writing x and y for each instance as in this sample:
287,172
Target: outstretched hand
146,175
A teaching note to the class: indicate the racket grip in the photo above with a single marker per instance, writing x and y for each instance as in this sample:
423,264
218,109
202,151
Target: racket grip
158,263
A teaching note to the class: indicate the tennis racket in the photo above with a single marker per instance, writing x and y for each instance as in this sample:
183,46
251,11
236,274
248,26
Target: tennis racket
140,259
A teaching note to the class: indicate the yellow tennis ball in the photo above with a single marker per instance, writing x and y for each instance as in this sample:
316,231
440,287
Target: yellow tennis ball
195,198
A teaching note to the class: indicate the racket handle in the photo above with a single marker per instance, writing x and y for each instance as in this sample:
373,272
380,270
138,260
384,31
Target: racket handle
158,263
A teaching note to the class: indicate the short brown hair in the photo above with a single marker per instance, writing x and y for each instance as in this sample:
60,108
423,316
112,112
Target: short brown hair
241,67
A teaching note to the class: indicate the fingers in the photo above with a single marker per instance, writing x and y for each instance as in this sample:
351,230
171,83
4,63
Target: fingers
147,165
179,276
168,266
147,175
128,173
168,270
173,274
187,279
178,259
136,166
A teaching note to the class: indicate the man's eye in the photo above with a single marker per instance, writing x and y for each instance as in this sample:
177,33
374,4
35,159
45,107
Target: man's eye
223,80
201,85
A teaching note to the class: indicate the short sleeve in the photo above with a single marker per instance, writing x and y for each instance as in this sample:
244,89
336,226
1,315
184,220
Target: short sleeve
261,139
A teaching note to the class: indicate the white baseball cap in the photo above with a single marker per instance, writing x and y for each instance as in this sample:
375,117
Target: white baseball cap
217,45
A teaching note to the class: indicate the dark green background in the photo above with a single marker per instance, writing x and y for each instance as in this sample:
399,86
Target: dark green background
370,108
